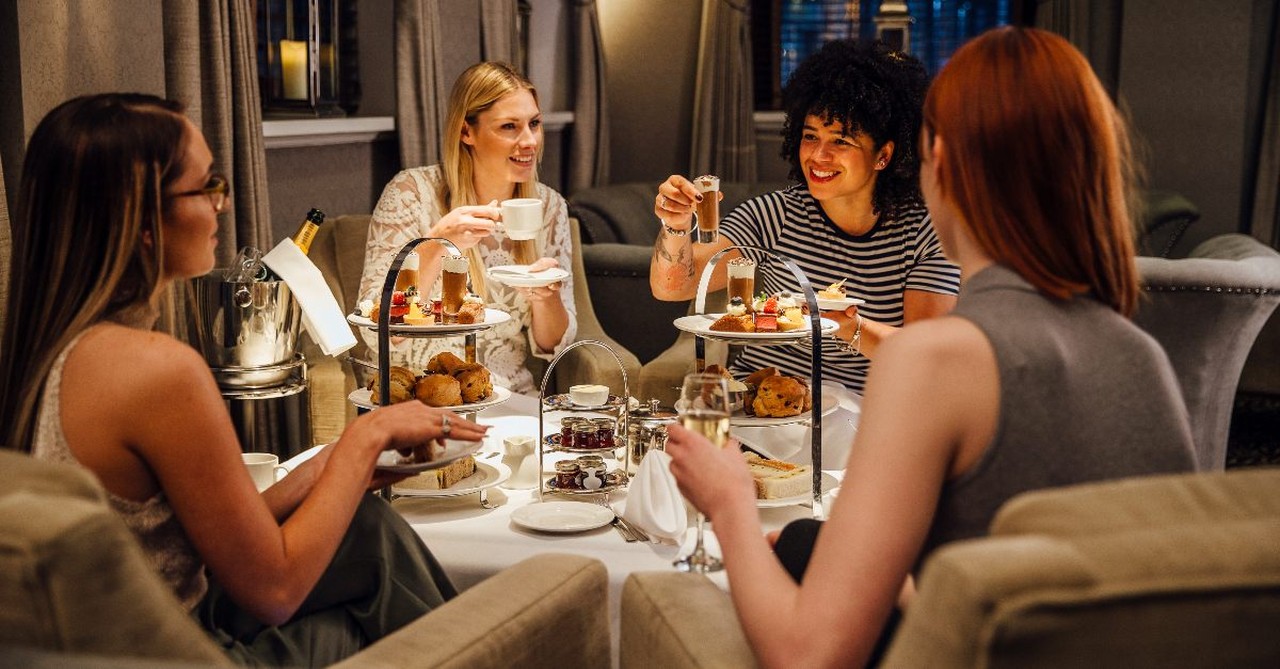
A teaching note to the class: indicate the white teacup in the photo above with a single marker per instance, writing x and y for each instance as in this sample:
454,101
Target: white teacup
264,469
522,217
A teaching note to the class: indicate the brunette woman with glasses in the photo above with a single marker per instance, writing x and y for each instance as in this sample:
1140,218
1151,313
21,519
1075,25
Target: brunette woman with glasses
118,201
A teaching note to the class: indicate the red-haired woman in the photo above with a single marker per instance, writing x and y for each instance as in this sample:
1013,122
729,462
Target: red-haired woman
1036,379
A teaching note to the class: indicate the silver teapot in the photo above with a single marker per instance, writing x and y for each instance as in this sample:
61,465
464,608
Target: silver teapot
647,429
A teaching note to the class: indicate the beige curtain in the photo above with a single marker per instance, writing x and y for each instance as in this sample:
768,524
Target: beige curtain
1265,223
211,67
589,134
724,131
1093,26
6,248
421,91
500,31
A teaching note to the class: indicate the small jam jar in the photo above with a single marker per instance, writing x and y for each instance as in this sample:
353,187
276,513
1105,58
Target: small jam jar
604,428
584,435
593,471
566,430
567,472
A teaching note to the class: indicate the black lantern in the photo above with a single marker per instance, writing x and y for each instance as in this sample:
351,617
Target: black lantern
893,24
298,57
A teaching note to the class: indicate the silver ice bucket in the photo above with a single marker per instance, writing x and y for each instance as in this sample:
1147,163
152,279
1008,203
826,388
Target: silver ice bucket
244,326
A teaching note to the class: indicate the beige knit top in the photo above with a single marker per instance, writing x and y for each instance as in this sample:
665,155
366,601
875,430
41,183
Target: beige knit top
152,521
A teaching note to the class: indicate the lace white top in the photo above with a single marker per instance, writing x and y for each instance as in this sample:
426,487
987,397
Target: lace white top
406,211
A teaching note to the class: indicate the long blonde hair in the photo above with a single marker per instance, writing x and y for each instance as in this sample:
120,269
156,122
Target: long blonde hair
92,190
476,90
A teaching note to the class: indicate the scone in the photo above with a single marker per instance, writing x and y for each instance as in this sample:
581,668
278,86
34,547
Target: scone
780,397
402,382
438,390
475,382
444,363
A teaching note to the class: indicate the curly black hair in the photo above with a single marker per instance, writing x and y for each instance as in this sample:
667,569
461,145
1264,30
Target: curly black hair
868,87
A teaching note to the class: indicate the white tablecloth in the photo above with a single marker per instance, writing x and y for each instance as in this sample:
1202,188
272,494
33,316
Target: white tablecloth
473,543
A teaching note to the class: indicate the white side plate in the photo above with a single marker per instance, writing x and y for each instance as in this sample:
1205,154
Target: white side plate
561,516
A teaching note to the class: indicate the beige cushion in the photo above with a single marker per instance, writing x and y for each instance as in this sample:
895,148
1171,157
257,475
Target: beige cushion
674,620
549,611
72,577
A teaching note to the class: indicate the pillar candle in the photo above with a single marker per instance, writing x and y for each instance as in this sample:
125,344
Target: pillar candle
293,67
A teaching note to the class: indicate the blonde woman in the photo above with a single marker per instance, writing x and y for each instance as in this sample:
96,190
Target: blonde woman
492,144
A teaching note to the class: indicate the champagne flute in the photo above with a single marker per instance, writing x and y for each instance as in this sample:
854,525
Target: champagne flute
704,409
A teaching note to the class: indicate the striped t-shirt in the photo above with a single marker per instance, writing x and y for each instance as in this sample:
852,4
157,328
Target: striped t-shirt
896,255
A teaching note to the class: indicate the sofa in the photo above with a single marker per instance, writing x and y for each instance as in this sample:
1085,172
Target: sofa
1169,571
338,251
76,590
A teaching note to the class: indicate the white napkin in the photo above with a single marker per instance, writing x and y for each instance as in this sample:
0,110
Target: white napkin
321,315
654,503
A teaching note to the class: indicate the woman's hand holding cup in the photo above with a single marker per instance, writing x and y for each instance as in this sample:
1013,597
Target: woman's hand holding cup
465,226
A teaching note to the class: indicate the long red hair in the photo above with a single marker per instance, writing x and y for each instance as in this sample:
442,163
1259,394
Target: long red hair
1038,162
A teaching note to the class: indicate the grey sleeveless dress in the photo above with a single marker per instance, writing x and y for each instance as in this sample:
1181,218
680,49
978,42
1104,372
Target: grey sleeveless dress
1085,395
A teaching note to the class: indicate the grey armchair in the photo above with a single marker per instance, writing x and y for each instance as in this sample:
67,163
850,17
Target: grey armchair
1206,311
76,590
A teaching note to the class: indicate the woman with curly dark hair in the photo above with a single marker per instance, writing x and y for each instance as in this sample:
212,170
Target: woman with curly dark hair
855,214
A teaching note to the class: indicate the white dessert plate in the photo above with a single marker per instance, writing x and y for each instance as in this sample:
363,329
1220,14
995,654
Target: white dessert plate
700,324
454,449
839,305
520,276
562,516
828,483
487,475
492,317
363,398
741,419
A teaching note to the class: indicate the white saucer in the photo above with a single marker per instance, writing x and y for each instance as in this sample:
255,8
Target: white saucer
562,516
519,275
839,305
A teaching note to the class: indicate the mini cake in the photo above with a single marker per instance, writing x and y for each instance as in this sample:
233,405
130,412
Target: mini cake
731,323
415,316
472,310
776,479
442,478
766,316
791,319
833,292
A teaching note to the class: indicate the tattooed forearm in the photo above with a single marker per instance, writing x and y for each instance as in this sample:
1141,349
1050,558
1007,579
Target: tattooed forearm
680,264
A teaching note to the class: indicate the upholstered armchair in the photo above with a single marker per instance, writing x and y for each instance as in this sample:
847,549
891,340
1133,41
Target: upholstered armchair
1171,571
77,591
1206,310
338,250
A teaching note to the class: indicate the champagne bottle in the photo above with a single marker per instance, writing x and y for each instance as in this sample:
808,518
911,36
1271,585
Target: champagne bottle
302,239
307,231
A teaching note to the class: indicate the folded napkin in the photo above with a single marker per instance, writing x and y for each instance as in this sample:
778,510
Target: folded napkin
654,503
321,315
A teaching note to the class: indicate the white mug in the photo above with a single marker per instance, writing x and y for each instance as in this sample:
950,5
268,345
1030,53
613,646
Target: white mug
522,217
264,469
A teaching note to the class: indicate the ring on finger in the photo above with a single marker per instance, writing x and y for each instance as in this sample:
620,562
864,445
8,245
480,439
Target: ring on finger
662,200
445,428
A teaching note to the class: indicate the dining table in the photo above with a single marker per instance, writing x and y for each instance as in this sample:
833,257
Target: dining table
474,540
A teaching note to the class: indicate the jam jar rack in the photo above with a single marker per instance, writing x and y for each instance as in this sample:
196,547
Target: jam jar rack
615,410
815,367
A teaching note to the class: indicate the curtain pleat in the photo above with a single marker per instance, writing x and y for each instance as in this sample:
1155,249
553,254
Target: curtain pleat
211,67
421,92
1265,223
500,31
589,134
6,248
1093,27
724,132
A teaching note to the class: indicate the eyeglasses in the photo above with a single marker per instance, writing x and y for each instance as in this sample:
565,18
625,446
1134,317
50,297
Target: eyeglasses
218,190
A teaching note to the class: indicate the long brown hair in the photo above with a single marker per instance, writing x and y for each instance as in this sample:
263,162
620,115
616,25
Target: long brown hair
476,90
92,185
1039,163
